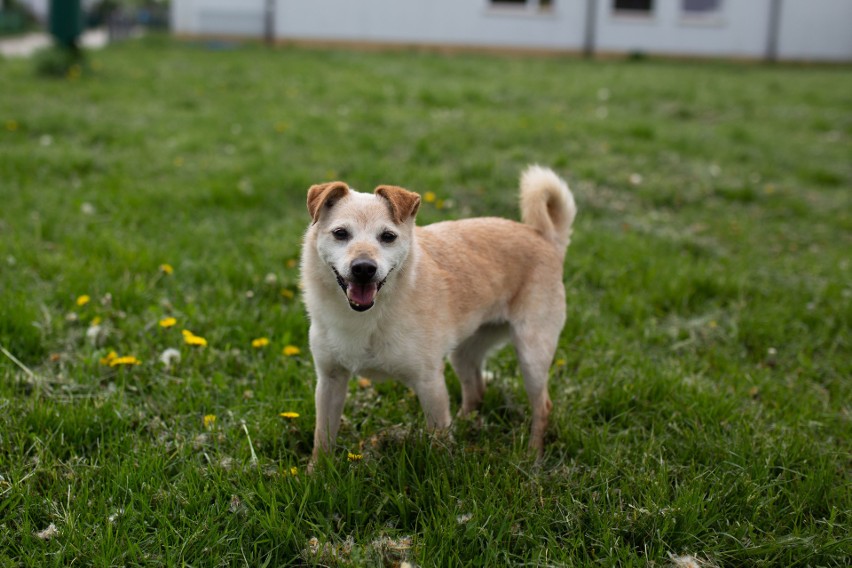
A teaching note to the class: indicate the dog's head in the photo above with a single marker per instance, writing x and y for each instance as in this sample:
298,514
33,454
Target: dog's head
363,238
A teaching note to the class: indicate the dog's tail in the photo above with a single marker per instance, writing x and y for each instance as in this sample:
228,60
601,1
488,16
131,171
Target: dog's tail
547,204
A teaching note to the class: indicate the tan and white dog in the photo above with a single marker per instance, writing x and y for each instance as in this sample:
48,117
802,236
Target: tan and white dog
388,299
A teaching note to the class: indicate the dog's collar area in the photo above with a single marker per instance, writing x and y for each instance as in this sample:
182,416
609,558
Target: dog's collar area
345,287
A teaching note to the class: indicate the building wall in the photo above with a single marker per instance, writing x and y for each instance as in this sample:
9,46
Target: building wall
739,29
810,29
218,17
455,22
816,29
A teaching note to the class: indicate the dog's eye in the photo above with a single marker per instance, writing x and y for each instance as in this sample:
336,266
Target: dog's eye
340,234
388,237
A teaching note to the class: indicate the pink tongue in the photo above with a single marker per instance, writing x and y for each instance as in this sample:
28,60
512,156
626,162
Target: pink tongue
362,294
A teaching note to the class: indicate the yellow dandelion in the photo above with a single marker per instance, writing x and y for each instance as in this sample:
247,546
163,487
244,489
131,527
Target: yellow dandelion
11,125
83,300
260,342
75,71
126,360
287,293
354,457
292,263
108,358
561,362
96,320
294,470
291,350
290,415
167,322
713,324
209,420
166,268
439,204
429,197
281,127
195,340
191,339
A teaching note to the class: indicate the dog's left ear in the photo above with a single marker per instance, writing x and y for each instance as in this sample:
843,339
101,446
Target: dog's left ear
403,203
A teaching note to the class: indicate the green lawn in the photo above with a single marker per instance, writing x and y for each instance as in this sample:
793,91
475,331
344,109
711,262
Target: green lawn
701,391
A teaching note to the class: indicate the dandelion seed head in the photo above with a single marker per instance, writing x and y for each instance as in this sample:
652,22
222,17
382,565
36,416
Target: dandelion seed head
169,357
93,333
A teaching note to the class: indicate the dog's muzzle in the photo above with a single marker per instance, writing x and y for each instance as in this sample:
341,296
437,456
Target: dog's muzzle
362,288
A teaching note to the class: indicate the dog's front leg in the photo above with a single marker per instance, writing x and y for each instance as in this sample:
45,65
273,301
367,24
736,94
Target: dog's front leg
330,396
432,393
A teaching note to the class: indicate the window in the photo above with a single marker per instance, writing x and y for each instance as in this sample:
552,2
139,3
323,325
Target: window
637,6
532,4
701,12
701,7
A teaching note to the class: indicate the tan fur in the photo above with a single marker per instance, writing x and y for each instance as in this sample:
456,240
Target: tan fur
324,194
403,203
457,288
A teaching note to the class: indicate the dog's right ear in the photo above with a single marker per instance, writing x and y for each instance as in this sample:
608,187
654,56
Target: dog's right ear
324,195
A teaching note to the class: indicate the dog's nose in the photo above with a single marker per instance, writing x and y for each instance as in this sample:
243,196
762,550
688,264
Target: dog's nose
363,270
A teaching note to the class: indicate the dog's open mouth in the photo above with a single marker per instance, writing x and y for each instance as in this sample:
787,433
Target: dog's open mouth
361,295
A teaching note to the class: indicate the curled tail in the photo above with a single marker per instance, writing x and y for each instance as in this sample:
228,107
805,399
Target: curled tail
547,204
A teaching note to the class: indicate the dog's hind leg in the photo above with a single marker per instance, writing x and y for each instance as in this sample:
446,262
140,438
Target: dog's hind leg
535,343
467,360
432,393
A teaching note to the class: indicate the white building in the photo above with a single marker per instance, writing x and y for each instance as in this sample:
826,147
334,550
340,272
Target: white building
783,29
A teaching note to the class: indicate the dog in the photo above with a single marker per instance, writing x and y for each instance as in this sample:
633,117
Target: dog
387,299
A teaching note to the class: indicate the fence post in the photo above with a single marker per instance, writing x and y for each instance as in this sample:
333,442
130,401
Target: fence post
269,22
774,30
591,25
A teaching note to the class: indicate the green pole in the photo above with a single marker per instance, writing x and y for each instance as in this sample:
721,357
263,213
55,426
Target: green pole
66,22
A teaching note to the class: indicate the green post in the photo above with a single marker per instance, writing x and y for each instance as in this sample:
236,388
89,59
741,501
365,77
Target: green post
66,22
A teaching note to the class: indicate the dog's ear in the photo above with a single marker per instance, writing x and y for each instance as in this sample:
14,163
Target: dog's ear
403,203
324,195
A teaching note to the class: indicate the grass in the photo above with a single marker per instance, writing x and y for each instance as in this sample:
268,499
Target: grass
702,383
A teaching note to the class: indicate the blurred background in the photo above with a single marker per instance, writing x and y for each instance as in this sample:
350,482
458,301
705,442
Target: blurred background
757,29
